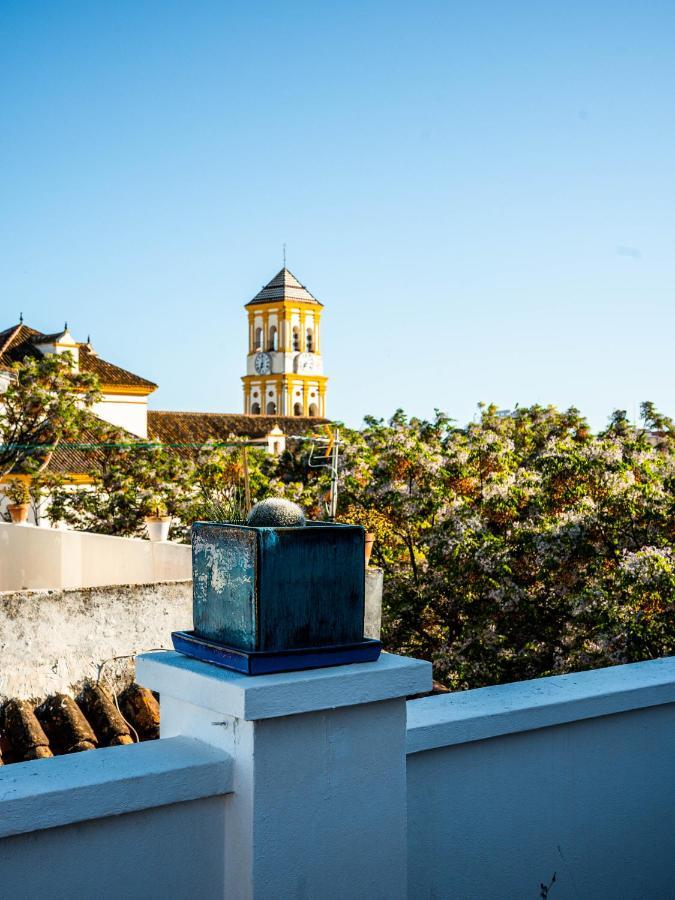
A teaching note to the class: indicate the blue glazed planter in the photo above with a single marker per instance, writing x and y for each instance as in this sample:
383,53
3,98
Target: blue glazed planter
250,662
278,589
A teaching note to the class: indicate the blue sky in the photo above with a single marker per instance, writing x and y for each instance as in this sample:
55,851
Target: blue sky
482,194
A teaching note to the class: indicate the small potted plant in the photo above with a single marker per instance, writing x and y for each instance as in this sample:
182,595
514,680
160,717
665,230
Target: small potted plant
18,494
157,522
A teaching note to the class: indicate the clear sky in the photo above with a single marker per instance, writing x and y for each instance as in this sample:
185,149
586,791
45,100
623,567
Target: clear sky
482,194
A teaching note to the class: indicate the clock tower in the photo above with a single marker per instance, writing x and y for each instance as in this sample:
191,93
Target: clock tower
284,368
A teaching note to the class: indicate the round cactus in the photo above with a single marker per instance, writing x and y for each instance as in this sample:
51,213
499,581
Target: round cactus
276,513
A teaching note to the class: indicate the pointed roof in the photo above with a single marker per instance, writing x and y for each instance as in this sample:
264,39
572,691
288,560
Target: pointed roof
284,286
52,338
20,341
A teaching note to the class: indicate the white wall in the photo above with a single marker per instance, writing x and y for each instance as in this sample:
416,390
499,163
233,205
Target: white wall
143,821
157,853
128,411
302,785
50,558
51,641
571,776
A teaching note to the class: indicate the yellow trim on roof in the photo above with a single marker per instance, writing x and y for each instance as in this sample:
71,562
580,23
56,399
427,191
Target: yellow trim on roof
137,389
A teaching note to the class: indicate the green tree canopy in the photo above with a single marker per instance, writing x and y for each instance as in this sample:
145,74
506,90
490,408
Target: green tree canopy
46,403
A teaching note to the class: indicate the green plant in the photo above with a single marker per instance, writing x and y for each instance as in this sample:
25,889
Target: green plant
126,476
275,512
226,509
45,404
155,507
17,492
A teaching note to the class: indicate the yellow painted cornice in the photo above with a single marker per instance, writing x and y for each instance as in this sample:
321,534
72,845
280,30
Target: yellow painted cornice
68,478
283,305
135,389
288,378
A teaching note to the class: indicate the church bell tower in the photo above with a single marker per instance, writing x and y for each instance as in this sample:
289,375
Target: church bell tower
284,368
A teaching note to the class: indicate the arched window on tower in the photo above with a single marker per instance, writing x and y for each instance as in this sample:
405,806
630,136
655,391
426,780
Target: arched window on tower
274,339
297,409
310,341
313,410
296,337
255,409
271,408
258,339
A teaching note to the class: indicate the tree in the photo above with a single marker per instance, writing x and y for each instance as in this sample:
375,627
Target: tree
522,545
128,477
45,404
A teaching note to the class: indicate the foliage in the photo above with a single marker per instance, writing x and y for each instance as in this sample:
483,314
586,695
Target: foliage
17,491
129,479
46,403
521,545
134,479
216,482
154,507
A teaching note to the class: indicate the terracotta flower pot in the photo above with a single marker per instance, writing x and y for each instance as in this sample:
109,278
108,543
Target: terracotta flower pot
158,527
370,540
18,512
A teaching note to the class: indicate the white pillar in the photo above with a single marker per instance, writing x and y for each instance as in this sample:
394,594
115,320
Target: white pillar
319,803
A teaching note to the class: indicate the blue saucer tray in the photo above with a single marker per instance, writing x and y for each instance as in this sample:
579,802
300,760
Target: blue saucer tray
265,662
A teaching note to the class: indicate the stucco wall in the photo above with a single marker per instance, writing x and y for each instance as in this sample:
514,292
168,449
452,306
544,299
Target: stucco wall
49,558
52,640
160,852
591,801
129,411
373,618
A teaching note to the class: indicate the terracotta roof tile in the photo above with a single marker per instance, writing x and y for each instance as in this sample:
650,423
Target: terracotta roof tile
109,373
196,427
62,725
20,341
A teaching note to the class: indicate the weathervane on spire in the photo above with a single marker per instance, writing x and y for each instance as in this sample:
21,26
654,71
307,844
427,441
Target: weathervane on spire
284,256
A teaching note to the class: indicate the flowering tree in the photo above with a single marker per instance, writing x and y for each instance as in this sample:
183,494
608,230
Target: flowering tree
522,545
129,478
45,404
518,546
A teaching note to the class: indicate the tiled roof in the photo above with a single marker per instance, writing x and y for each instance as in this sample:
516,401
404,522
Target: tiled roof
85,457
20,341
195,427
80,459
60,724
109,373
16,343
50,338
284,286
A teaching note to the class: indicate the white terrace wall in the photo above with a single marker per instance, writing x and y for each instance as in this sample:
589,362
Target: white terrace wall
49,558
570,776
53,640
293,786
140,822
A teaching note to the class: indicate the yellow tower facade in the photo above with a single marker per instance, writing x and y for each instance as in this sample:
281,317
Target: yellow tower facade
284,367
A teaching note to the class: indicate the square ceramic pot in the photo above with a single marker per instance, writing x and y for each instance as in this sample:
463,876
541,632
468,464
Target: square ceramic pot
272,589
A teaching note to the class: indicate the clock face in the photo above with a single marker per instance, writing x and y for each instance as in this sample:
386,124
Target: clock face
263,363
306,362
